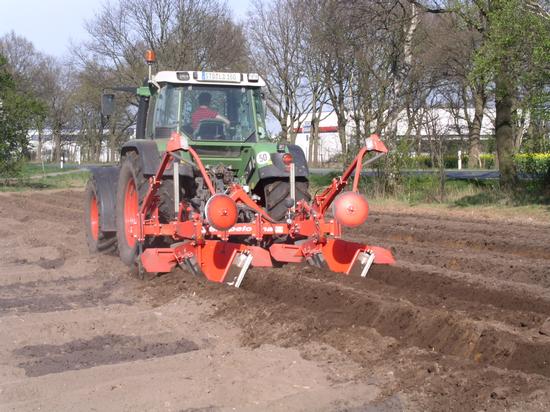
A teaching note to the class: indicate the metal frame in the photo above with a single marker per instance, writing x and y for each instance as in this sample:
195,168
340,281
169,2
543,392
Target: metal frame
311,233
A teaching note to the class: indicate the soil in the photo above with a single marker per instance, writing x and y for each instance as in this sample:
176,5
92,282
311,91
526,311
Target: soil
459,323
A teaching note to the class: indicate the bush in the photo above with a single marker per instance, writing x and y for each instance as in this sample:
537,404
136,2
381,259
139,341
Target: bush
533,164
487,161
419,162
450,161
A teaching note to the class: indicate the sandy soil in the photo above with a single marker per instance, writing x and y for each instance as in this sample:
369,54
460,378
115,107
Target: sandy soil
457,324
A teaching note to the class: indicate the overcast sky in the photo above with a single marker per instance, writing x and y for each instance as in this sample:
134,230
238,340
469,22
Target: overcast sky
51,24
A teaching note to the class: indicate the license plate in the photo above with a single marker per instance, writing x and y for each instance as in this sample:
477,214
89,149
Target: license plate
220,77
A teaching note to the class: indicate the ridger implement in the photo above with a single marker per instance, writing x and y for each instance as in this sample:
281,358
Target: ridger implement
216,245
204,187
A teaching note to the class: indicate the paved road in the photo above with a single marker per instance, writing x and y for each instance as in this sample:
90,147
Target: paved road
451,173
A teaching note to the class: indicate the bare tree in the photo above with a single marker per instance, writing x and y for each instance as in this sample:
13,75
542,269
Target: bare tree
450,48
185,34
382,81
56,89
332,42
277,34
313,73
23,59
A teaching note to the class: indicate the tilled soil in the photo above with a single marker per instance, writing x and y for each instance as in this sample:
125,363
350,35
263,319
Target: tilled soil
460,323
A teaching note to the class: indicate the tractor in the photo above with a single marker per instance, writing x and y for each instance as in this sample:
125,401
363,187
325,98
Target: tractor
204,187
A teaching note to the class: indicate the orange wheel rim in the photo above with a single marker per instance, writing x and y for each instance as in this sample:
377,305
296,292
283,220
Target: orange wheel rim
131,208
94,218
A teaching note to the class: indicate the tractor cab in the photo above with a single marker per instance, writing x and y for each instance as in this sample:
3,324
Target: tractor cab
206,106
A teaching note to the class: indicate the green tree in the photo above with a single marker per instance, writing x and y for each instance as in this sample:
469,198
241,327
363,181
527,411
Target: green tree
515,56
18,112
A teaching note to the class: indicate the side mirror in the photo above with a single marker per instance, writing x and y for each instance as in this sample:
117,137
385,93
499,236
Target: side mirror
107,104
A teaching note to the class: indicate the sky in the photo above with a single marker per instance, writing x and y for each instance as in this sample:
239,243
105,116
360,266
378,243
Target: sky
52,24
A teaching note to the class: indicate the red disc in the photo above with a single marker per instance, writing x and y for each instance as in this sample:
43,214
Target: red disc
221,212
350,209
131,210
94,217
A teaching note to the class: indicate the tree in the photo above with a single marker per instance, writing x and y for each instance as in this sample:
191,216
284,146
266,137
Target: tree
277,34
18,112
185,34
26,64
516,56
513,54
449,49
56,90
333,44
385,76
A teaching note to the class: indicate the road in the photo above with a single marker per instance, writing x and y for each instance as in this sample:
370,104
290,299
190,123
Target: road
450,173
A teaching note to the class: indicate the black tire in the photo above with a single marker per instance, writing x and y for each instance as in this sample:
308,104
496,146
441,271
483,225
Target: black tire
97,240
166,203
166,196
130,173
277,191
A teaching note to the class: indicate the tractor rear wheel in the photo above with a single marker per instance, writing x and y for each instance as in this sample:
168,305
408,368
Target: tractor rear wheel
132,187
276,192
98,241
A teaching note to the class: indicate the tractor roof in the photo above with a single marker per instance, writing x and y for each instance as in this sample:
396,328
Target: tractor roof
213,78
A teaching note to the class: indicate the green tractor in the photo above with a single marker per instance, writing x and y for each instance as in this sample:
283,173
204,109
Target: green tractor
204,187
223,117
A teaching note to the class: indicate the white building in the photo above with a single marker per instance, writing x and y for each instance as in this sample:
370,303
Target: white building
329,142
434,122
71,146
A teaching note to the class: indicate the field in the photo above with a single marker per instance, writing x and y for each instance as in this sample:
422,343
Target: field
460,323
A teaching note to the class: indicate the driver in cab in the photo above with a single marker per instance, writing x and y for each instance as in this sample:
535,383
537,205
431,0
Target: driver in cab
204,112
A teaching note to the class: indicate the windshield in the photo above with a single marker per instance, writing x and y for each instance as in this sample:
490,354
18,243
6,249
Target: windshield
226,113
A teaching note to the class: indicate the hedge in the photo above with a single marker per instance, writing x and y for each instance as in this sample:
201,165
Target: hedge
533,163
528,163
425,162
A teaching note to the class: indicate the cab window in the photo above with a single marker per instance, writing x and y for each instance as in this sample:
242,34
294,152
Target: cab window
167,116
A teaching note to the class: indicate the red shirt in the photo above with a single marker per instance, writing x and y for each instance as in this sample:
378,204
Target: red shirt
202,113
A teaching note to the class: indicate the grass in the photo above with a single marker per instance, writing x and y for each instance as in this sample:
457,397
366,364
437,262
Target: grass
38,176
61,181
530,199
35,169
521,214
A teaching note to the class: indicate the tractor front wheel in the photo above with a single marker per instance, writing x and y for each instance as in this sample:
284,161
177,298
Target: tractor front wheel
132,186
98,241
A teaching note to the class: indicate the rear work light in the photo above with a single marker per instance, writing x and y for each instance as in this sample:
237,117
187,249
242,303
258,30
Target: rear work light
287,159
184,76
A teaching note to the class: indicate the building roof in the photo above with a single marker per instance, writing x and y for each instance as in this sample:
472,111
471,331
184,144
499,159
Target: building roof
439,120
